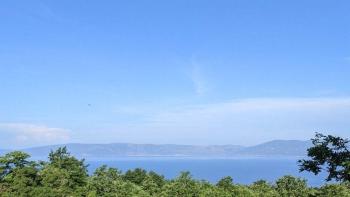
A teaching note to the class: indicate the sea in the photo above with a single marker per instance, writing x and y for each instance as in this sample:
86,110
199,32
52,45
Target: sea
242,170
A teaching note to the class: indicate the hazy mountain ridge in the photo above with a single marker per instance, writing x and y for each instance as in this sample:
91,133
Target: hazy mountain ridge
109,151
278,147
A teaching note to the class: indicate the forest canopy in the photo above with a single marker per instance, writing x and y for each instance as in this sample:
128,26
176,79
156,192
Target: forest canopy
64,175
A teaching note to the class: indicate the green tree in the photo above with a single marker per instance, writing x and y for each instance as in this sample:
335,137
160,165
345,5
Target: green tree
19,176
263,189
207,189
63,175
108,182
334,190
225,183
104,181
158,179
12,160
289,186
150,186
184,185
242,191
136,176
331,152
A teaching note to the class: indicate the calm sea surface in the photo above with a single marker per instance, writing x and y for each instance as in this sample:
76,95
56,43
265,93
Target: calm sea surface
244,171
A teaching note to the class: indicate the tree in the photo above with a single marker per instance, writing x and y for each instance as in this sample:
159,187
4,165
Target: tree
153,183
225,183
64,174
289,186
12,160
263,189
158,179
184,185
104,181
334,190
150,186
136,176
208,189
330,152
18,175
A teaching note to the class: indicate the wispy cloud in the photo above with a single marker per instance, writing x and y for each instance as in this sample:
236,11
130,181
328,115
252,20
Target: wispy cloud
244,121
266,105
252,120
34,134
199,83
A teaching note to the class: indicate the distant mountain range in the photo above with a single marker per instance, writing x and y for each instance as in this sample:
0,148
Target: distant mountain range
276,148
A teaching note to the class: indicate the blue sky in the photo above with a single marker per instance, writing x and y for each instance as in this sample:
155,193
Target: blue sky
184,72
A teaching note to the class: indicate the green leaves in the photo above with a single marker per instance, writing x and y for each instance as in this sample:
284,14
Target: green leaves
64,175
225,183
10,161
330,152
18,175
184,185
289,186
334,190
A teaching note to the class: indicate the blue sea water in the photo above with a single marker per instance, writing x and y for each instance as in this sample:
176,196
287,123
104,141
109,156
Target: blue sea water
242,170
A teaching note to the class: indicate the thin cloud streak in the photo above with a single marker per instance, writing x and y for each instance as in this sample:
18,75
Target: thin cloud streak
252,121
256,105
199,83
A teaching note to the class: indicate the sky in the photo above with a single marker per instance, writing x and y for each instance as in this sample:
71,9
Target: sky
173,72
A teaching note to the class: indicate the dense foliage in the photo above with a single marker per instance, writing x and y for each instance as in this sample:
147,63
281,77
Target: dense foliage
329,153
64,175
